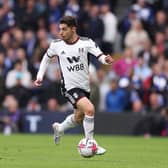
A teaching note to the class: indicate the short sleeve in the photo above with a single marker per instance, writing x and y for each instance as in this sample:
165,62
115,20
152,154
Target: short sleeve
94,49
51,51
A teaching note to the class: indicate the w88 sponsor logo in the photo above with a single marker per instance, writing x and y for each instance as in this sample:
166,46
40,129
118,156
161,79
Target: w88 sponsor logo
76,67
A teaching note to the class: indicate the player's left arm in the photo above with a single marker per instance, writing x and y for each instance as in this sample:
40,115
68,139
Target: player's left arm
106,59
95,50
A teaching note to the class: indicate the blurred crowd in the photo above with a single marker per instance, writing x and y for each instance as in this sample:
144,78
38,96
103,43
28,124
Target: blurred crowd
137,81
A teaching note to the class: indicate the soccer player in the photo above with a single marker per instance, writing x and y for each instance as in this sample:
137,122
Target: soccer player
72,53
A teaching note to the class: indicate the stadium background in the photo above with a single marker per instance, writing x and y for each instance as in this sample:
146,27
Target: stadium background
131,94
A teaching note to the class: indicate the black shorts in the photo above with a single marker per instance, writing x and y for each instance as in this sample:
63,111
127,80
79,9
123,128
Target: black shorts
75,94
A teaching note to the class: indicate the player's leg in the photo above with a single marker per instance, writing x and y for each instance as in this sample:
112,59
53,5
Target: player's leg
84,105
71,121
77,118
59,128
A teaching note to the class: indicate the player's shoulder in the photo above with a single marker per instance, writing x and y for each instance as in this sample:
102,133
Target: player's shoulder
84,38
55,42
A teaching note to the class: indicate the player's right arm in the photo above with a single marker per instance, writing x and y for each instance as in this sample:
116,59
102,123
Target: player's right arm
44,64
43,67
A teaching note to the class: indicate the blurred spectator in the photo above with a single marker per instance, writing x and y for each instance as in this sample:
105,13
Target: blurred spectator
5,42
143,11
19,9
137,106
72,8
124,84
17,37
54,11
110,28
41,7
18,75
104,87
142,71
145,53
126,22
136,37
18,81
6,17
29,43
156,103
83,18
9,117
95,25
33,105
53,31
115,98
125,64
52,105
30,16
42,35
160,43
10,58
160,22
157,82
158,79
154,57
133,94
21,56
26,64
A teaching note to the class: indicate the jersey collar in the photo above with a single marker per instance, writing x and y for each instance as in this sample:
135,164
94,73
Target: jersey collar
73,41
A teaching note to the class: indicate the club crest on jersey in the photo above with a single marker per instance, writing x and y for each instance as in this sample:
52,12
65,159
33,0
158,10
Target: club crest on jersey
75,95
81,50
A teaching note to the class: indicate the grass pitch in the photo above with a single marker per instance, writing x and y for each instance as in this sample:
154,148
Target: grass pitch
39,151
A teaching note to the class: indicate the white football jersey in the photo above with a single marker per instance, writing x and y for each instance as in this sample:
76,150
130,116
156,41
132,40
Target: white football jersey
73,60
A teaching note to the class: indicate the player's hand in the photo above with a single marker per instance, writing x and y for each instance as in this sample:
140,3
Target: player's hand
109,59
38,82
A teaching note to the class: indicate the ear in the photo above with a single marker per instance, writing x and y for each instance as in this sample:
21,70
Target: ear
74,29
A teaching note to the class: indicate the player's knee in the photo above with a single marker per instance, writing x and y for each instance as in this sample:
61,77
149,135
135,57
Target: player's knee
90,110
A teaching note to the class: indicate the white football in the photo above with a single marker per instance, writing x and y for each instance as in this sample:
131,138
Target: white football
87,147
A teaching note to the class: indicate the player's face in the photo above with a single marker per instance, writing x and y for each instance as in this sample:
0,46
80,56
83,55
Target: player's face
66,32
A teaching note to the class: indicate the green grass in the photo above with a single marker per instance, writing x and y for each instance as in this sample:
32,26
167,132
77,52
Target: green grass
38,151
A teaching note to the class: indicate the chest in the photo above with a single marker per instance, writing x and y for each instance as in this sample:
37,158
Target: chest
72,53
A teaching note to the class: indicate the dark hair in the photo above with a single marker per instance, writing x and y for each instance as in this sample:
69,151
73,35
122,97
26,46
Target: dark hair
69,20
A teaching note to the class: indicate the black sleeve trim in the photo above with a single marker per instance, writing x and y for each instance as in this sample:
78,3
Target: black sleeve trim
99,55
49,55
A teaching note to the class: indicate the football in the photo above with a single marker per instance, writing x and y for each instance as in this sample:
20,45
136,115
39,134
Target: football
87,147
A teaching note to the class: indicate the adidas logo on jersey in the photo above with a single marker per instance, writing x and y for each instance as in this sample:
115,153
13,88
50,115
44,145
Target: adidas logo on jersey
63,52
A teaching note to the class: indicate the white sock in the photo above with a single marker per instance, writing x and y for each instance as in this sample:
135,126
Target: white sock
69,122
88,125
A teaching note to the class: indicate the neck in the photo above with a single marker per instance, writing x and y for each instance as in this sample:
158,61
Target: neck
73,39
